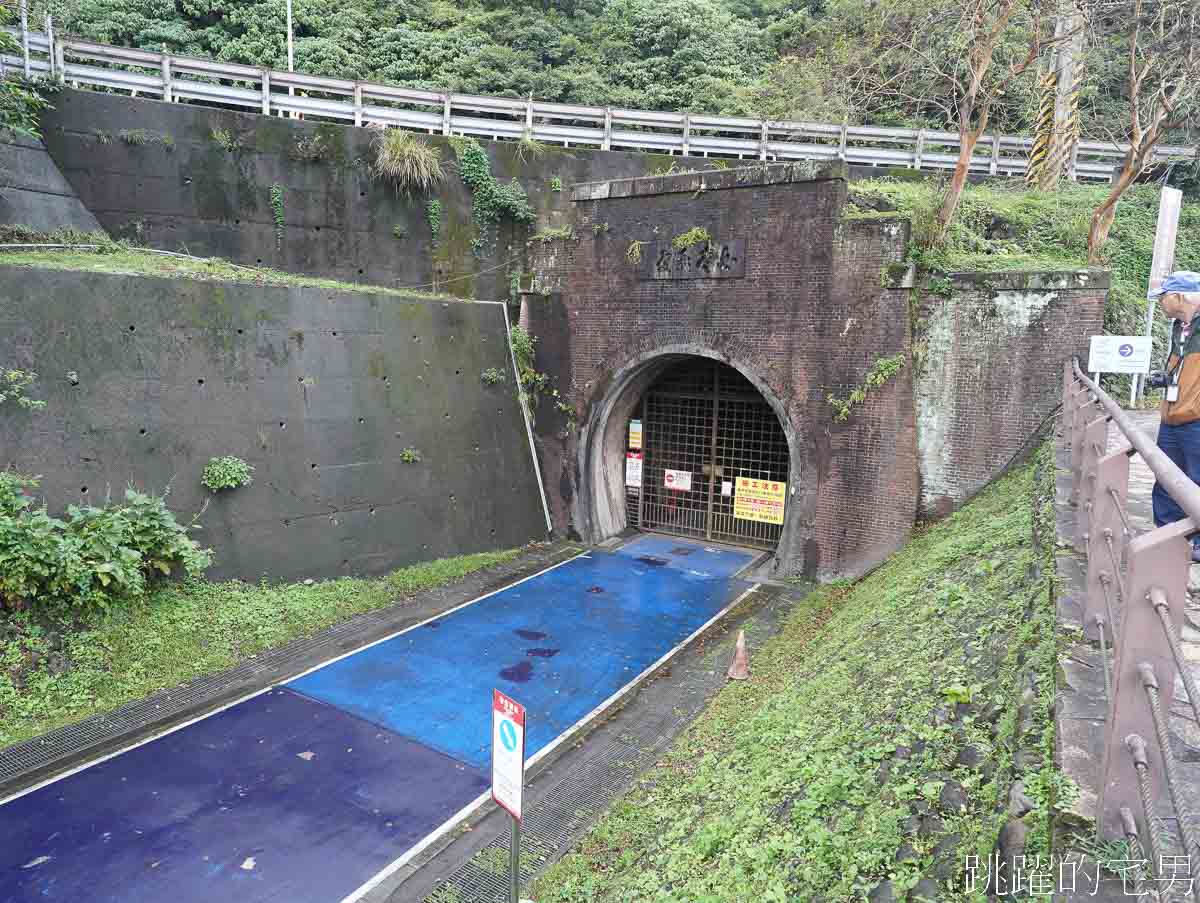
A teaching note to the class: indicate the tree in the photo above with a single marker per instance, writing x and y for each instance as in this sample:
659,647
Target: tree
1161,42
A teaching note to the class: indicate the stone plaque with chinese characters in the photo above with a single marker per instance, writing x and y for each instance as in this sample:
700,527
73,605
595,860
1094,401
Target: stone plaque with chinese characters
704,260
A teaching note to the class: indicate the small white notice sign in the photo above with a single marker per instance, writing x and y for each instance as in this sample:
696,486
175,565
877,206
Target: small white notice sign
678,480
508,752
1119,354
727,487
633,468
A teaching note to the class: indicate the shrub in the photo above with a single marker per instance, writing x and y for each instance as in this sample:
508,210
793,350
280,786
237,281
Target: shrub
405,160
95,558
493,376
13,384
227,472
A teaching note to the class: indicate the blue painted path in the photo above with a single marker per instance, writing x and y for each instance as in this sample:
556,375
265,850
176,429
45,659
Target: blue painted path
560,645
304,793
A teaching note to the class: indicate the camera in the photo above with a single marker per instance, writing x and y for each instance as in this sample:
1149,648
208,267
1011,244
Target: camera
1158,379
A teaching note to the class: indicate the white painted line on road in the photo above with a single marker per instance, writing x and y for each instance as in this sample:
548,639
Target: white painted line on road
455,820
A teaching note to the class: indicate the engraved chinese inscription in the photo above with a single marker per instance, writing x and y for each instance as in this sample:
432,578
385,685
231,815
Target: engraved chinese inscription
704,260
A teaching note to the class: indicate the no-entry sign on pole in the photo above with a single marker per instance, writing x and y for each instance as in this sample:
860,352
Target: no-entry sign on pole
508,752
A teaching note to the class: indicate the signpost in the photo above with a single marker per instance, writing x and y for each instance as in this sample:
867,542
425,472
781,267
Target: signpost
1163,261
508,773
1120,354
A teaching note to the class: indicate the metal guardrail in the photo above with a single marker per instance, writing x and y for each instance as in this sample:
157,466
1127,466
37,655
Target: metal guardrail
207,82
1137,588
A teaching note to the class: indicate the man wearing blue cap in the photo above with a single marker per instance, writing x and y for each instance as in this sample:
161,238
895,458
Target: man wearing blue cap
1179,430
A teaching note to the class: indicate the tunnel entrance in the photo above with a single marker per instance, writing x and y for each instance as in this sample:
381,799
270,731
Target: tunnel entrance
706,457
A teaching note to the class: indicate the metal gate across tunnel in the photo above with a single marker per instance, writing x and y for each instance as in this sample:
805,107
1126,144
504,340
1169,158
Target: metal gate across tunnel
714,458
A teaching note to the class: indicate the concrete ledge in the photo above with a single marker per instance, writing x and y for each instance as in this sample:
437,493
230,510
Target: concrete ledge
711,180
1025,280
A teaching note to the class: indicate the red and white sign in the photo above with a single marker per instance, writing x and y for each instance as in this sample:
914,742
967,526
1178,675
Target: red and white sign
678,480
633,468
508,753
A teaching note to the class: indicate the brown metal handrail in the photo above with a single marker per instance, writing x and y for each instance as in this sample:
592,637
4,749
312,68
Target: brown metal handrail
1176,483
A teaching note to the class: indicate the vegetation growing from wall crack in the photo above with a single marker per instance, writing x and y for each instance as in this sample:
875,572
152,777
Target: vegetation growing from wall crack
226,472
873,746
880,373
693,236
406,161
491,200
433,215
14,385
277,213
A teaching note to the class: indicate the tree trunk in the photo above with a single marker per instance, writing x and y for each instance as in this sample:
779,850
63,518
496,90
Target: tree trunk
962,168
1103,216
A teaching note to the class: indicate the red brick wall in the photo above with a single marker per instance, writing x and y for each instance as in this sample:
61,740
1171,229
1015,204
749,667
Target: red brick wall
809,317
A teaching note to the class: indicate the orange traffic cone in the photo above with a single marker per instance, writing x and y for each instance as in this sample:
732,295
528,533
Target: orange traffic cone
739,669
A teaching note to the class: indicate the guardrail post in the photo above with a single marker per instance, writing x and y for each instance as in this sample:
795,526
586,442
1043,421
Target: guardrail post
358,104
606,141
266,92
1095,436
60,59
687,133
919,153
529,116
25,37
1160,558
167,92
1072,167
1104,524
50,45
763,135
994,165
445,114
842,140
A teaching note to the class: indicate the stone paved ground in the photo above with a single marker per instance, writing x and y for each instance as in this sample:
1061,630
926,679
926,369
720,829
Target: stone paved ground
1081,698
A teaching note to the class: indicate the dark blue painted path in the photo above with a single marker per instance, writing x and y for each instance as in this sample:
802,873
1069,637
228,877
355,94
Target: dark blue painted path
277,798
560,645
304,793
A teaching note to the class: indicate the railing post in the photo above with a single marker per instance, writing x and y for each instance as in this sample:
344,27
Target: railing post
358,104
687,134
60,59
763,137
919,153
1082,405
266,92
25,37
529,116
606,141
842,140
167,92
445,114
1095,436
1105,524
1160,558
50,45
1067,418
994,165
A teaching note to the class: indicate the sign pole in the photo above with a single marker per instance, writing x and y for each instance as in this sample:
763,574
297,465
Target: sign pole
514,860
1163,262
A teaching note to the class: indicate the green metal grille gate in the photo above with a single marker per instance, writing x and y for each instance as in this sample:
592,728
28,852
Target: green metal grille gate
705,419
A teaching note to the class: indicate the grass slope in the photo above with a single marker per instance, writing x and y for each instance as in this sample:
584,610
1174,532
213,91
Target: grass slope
49,678
833,768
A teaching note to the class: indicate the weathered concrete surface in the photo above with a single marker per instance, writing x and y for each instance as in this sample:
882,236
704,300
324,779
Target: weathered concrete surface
158,173
33,192
993,346
320,390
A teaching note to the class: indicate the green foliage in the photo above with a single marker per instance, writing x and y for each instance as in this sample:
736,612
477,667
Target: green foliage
493,376
276,196
692,236
21,101
556,184
406,161
599,228
558,233
795,785
312,149
880,373
102,137
410,456
398,231
433,215
92,560
226,472
52,674
529,149
13,385
491,201
139,137
226,140
634,252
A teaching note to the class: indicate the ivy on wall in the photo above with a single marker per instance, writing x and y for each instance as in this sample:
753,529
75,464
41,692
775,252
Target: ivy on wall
491,200
881,372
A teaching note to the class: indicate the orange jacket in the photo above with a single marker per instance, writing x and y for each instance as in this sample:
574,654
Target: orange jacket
1183,363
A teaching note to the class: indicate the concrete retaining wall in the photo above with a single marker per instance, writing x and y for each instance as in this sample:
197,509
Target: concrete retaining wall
320,390
33,192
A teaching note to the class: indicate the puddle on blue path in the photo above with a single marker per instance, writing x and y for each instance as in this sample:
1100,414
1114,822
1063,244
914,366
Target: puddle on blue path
436,687
278,798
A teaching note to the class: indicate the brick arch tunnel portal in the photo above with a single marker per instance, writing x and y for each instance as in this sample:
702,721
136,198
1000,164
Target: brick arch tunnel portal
690,445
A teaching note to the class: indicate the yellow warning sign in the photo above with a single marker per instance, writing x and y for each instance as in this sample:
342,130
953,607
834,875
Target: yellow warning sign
635,434
759,500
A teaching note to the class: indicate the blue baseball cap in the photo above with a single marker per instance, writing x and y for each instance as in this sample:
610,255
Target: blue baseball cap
1180,281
